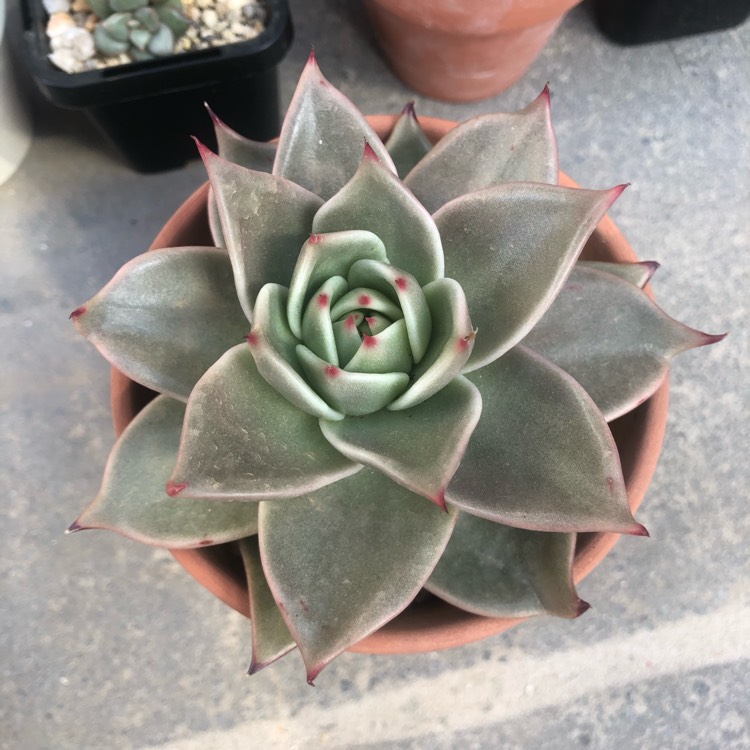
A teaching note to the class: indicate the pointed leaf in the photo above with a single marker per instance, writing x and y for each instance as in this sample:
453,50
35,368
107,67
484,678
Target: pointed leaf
386,351
407,144
265,221
242,440
323,256
498,571
132,500
450,345
485,151
542,456
639,273
403,288
420,447
166,317
346,559
274,349
612,339
354,393
361,298
236,148
347,337
376,200
271,637
317,328
511,248
321,140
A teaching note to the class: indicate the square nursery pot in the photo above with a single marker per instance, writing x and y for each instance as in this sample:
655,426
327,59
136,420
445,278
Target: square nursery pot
428,624
149,110
631,22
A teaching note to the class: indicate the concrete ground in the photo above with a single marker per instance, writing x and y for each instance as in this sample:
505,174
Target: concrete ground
108,644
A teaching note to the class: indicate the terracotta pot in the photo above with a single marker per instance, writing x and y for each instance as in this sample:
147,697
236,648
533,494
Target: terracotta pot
463,50
432,624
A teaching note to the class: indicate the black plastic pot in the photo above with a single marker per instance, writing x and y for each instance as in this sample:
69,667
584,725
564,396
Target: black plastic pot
150,109
632,22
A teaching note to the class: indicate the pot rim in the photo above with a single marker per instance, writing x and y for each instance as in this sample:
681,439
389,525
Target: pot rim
432,625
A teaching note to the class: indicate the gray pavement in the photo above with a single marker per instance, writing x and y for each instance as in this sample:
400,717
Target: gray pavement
108,644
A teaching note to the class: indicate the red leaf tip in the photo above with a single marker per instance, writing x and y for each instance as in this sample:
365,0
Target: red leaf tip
409,110
439,500
204,151
401,283
315,239
545,95
75,526
252,338
312,61
370,154
369,341
313,673
712,338
214,117
582,607
174,488
614,193
639,530
77,312
332,371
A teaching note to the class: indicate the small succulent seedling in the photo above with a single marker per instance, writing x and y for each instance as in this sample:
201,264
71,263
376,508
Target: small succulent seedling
423,396
144,29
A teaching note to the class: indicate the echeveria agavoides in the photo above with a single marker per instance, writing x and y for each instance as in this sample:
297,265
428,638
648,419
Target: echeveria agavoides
393,380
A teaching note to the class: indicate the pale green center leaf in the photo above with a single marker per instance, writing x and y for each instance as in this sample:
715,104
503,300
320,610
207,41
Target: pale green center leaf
407,144
323,256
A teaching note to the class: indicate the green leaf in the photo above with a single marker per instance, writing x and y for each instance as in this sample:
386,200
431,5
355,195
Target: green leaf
612,339
166,317
511,249
323,256
242,440
346,559
214,220
271,637
274,349
317,328
346,334
376,200
420,447
450,346
639,273
407,144
485,151
542,456
321,140
403,288
236,148
498,571
354,393
132,500
386,351
265,221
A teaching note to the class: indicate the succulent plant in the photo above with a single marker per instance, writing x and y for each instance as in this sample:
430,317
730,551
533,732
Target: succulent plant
423,397
144,29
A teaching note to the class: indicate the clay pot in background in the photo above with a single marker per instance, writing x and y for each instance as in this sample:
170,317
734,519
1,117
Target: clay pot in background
463,50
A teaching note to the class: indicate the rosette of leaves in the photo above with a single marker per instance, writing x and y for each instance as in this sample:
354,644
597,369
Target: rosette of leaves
423,397
143,29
